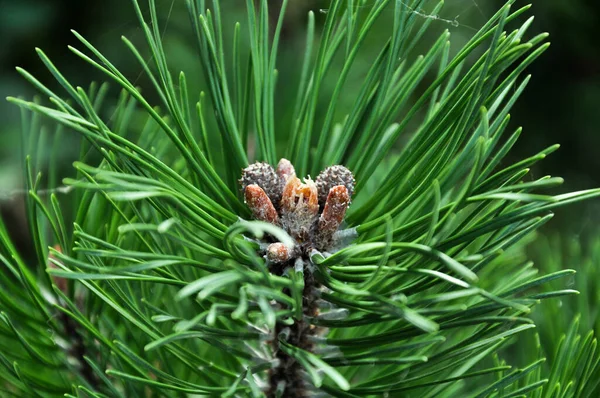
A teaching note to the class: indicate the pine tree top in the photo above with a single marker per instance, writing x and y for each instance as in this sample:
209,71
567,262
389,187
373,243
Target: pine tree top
152,278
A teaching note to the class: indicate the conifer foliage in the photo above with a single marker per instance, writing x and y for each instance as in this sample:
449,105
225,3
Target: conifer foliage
173,268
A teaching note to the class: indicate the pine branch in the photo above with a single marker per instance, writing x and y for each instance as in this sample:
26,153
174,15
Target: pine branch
401,269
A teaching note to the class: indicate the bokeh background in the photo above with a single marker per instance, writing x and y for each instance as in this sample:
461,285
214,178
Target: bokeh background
560,105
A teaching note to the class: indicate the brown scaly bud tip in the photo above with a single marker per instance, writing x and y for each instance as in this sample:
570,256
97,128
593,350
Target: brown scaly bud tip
263,175
331,177
333,214
299,208
260,204
285,169
61,283
300,198
279,253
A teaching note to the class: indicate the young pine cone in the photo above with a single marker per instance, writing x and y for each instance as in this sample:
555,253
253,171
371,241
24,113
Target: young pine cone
263,175
331,177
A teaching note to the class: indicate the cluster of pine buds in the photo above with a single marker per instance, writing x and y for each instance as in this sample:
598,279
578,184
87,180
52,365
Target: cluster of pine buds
310,212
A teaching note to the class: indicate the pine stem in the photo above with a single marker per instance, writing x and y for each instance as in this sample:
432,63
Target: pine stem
286,379
78,349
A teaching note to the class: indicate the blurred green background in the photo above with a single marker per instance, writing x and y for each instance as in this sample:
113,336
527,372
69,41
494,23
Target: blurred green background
560,105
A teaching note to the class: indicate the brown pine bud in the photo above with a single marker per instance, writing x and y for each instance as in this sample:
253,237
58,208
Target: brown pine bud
299,197
332,176
333,214
279,253
289,195
263,175
260,204
285,169
299,207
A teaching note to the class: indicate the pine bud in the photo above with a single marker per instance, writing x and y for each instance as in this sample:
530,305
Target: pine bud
279,253
263,175
299,207
285,169
331,177
333,214
260,204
